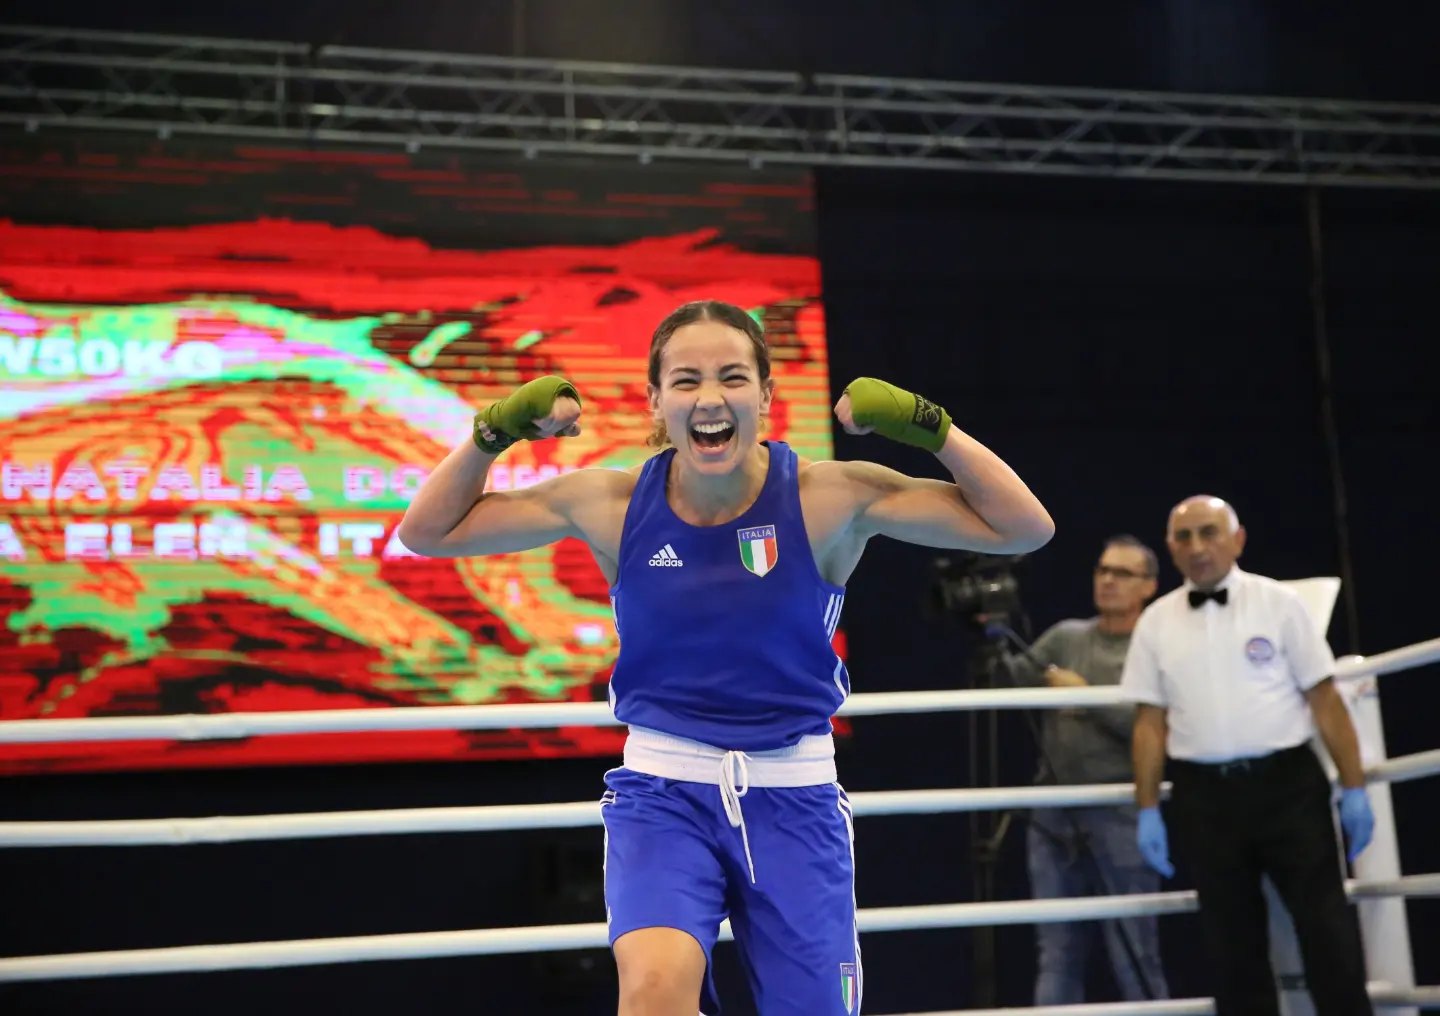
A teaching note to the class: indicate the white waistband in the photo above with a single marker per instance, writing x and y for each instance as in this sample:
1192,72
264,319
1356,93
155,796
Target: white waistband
809,763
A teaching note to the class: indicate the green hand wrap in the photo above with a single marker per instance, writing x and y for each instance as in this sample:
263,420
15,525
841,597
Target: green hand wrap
897,414
501,424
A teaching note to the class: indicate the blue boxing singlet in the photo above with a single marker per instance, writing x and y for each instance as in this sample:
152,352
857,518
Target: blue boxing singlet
725,631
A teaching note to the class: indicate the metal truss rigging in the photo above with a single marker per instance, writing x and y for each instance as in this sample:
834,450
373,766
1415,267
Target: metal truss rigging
172,86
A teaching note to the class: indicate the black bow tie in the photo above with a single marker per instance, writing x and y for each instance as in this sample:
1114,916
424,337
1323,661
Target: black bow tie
1199,596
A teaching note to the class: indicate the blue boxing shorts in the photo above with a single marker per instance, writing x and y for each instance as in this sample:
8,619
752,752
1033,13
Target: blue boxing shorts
778,861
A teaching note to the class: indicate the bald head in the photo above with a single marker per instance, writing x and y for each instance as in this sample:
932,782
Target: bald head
1206,503
1205,539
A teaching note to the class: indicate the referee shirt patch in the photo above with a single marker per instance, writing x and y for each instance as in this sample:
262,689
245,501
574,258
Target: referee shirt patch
1259,650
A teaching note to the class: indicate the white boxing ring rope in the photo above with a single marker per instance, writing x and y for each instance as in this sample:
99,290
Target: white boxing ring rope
1381,996
192,727
559,937
254,955
572,815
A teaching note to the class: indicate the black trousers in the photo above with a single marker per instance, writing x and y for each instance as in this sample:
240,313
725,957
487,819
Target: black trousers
1233,824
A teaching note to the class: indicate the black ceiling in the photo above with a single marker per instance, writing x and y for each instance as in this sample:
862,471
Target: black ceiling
1383,49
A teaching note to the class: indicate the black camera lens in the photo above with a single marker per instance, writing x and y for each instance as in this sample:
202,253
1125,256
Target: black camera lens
977,588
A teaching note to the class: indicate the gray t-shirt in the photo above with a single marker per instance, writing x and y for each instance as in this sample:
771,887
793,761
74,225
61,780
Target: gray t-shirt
1090,745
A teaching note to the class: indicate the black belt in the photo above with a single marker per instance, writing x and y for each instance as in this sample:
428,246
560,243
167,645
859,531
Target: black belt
1241,766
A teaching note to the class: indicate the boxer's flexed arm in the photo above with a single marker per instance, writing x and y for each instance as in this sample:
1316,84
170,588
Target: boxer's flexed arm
987,507
452,516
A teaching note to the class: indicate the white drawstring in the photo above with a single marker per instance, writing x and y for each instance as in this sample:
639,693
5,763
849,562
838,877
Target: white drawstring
808,763
735,784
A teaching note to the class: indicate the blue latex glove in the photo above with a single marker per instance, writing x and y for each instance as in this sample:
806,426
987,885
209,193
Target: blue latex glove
1356,819
1153,842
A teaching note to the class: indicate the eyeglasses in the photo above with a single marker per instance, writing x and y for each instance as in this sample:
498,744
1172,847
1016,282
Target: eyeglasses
1104,570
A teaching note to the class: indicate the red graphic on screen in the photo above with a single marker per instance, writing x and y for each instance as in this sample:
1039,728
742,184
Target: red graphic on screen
211,433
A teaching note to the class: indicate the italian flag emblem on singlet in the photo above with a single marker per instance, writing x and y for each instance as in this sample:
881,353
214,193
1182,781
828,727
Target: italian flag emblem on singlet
758,549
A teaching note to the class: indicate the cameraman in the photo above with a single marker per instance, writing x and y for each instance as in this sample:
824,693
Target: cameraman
1092,851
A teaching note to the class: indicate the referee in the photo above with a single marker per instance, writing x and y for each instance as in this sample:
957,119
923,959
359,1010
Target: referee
1231,681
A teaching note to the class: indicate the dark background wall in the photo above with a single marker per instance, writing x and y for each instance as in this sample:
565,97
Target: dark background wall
1124,346
1121,344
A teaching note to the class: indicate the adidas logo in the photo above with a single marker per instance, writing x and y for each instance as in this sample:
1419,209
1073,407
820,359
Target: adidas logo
665,558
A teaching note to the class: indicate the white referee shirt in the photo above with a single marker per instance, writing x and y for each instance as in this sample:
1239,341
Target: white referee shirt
1233,678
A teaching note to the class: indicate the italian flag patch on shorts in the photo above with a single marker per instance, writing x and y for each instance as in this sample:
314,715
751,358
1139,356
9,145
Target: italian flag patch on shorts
849,986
